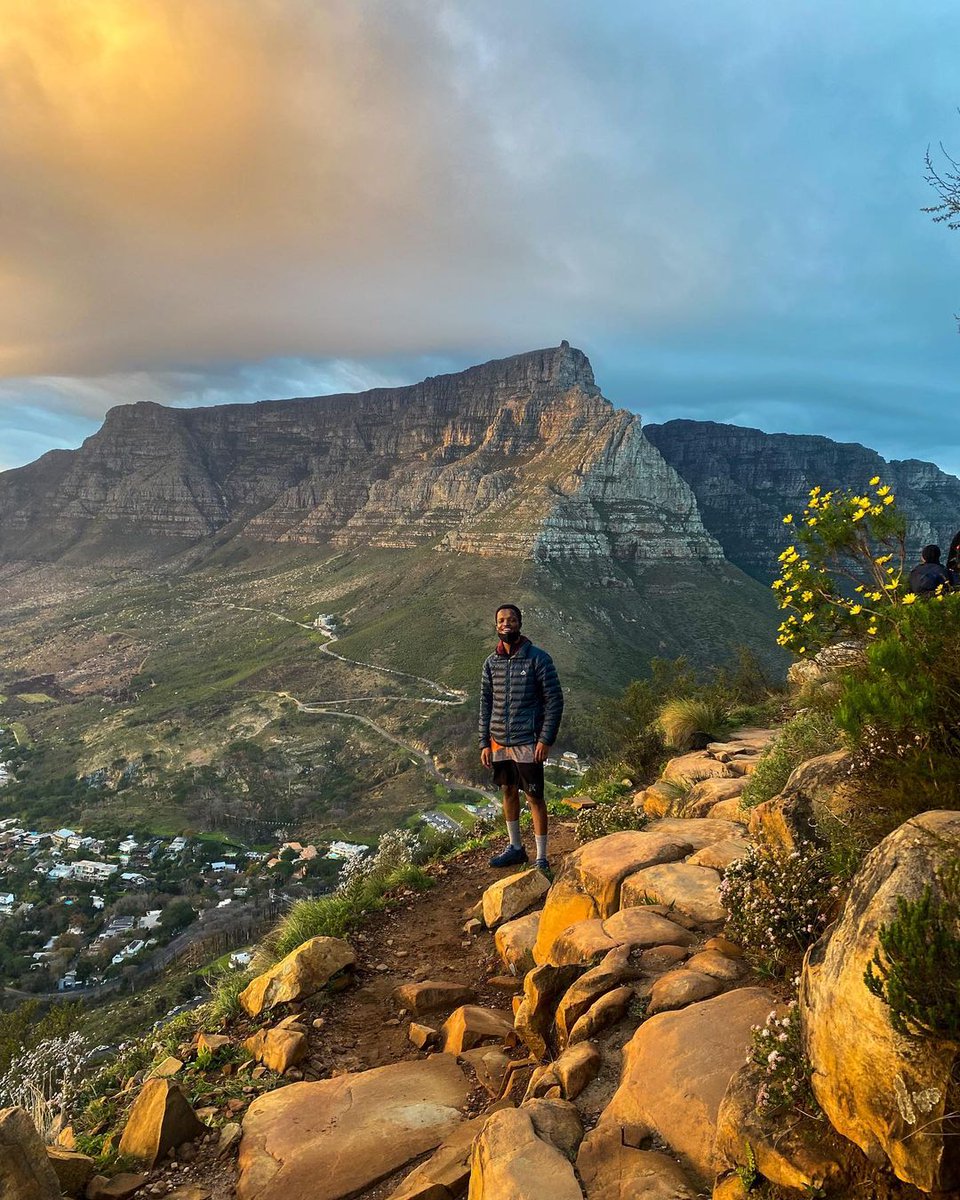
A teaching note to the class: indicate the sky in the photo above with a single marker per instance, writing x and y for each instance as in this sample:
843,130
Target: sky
719,201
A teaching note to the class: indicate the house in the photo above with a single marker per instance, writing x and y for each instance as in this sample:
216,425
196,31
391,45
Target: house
93,872
150,920
342,850
7,901
133,879
61,837
59,871
128,845
68,982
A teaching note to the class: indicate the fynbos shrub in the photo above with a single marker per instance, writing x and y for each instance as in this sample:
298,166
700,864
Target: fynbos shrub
778,905
784,1073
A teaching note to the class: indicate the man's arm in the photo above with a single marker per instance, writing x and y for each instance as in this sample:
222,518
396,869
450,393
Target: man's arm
486,708
552,695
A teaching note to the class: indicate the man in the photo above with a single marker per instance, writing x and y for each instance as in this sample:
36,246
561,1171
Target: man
928,574
520,708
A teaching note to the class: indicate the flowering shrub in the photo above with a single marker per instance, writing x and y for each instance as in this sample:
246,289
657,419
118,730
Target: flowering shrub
778,906
608,818
784,1073
845,572
396,849
45,1079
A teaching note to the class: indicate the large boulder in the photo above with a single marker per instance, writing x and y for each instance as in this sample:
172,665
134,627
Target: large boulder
603,1012
721,854
73,1169
677,1067
335,1138
890,1094
818,792
302,973
692,890
697,831
611,972
692,768
708,792
513,895
612,1170
25,1170
511,1163
542,989
588,883
161,1118
676,989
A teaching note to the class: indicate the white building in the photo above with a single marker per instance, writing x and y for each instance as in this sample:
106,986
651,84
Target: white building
93,872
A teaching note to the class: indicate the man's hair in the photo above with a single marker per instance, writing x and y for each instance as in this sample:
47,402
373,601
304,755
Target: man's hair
513,608
930,554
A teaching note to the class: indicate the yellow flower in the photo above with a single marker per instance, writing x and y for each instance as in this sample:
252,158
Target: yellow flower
888,499
804,566
884,558
802,650
777,583
884,491
815,491
876,510
812,521
872,630
858,514
859,588
806,597
788,519
909,598
864,501
856,609
891,585
807,616
814,502
874,481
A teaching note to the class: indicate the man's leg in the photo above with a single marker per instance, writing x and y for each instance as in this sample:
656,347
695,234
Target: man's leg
511,812
538,810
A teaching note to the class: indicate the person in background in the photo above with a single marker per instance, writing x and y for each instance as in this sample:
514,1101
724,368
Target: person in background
928,574
953,560
521,704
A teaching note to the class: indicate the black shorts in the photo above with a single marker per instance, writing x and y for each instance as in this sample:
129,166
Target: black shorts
528,777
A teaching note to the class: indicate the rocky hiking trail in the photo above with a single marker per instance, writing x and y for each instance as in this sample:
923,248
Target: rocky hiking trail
512,1038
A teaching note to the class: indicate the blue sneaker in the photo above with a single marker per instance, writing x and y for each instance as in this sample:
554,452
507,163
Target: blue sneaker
513,856
543,864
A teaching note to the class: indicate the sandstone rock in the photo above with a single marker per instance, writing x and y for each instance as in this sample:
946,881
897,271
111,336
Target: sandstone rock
689,889
709,792
713,963
729,1186
229,1137
489,1065
302,973
642,926
445,1174
556,1122
509,897
581,944
656,800
164,1070
212,1042
603,1012
679,988
588,883
542,988
25,1170
278,1049
469,1025
567,1076
430,995
423,1036
511,1163
514,942
697,831
611,972
661,958
73,1170
118,1187
724,946
334,1138
190,1191
161,1118
720,855
729,810
789,1153
878,1087
677,1067
691,768
611,1170
818,791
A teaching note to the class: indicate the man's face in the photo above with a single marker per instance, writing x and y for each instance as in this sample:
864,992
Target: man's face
508,625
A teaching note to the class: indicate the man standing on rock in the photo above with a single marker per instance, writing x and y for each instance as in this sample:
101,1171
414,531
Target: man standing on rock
521,704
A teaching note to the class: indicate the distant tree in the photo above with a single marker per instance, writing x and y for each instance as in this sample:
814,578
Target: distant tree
176,916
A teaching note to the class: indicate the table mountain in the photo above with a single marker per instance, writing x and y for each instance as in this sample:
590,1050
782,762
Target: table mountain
521,457
745,480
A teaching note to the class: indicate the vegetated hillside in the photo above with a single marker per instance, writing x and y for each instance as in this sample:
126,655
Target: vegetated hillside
745,481
157,681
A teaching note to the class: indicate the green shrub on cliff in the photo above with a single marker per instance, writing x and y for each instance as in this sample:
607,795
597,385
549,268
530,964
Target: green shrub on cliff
806,735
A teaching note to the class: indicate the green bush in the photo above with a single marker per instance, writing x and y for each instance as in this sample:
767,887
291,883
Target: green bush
917,974
806,735
783,1072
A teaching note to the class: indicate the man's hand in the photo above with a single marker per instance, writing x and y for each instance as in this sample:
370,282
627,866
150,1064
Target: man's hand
542,752
486,756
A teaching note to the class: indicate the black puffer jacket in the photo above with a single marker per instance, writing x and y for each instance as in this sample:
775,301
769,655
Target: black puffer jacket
520,698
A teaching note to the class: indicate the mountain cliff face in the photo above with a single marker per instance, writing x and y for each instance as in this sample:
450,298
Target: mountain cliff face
745,480
520,457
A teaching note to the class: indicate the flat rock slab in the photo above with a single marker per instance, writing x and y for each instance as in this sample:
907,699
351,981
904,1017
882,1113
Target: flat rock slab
720,855
509,897
331,1139
679,988
638,927
691,768
431,995
612,1171
721,966
676,1069
446,1172
588,884
698,831
692,890
511,1163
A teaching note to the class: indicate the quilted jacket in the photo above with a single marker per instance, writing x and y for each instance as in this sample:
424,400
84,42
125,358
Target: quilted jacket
520,698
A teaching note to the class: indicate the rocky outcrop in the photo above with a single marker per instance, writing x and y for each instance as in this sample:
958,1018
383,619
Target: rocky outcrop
745,481
303,972
518,457
893,1095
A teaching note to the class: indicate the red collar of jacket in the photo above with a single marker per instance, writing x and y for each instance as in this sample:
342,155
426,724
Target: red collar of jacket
504,651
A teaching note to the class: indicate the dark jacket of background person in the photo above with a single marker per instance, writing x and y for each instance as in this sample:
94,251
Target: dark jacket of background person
926,577
521,701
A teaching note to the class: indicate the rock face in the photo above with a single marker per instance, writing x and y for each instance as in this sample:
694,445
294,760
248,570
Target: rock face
745,481
878,1087
302,973
518,457
332,1139
25,1172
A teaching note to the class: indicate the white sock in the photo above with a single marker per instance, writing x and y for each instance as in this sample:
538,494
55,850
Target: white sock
513,829
541,840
